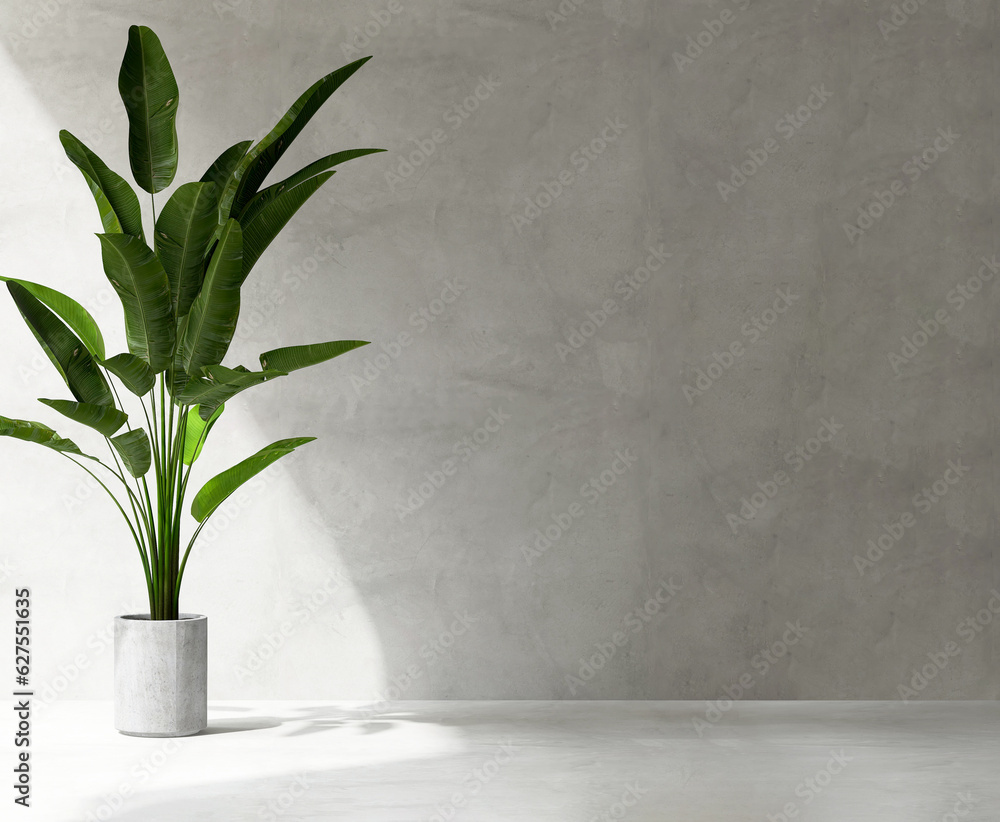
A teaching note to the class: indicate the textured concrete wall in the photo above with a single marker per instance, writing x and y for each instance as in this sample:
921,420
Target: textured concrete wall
676,307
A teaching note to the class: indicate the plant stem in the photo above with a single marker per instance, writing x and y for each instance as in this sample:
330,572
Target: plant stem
135,536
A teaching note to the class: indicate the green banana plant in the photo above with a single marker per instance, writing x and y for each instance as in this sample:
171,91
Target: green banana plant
181,300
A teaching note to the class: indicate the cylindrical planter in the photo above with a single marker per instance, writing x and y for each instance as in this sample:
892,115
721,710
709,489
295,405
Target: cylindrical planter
161,675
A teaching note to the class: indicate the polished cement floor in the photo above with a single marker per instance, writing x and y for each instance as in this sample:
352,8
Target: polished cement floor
538,761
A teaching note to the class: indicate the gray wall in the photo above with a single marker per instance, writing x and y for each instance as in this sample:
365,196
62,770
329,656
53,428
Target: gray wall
500,270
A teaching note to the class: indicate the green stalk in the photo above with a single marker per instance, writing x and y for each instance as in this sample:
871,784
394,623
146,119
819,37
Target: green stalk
162,506
179,506
135,536
155,439
142,486
174,527
133,500
194,538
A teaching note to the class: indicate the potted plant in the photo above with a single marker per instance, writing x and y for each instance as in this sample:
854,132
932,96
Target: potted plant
180,292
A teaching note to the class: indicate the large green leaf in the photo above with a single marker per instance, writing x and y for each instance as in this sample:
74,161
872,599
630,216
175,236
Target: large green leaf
134,373
218,489
70,311
225,164
220,386
302,356
148,89
105,419
142,284
262,198
197,431
133,448
68,354
41,434
252,170
183,232
267,221
116,201
211,322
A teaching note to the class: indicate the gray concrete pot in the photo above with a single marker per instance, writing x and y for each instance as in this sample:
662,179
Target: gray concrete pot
161,675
